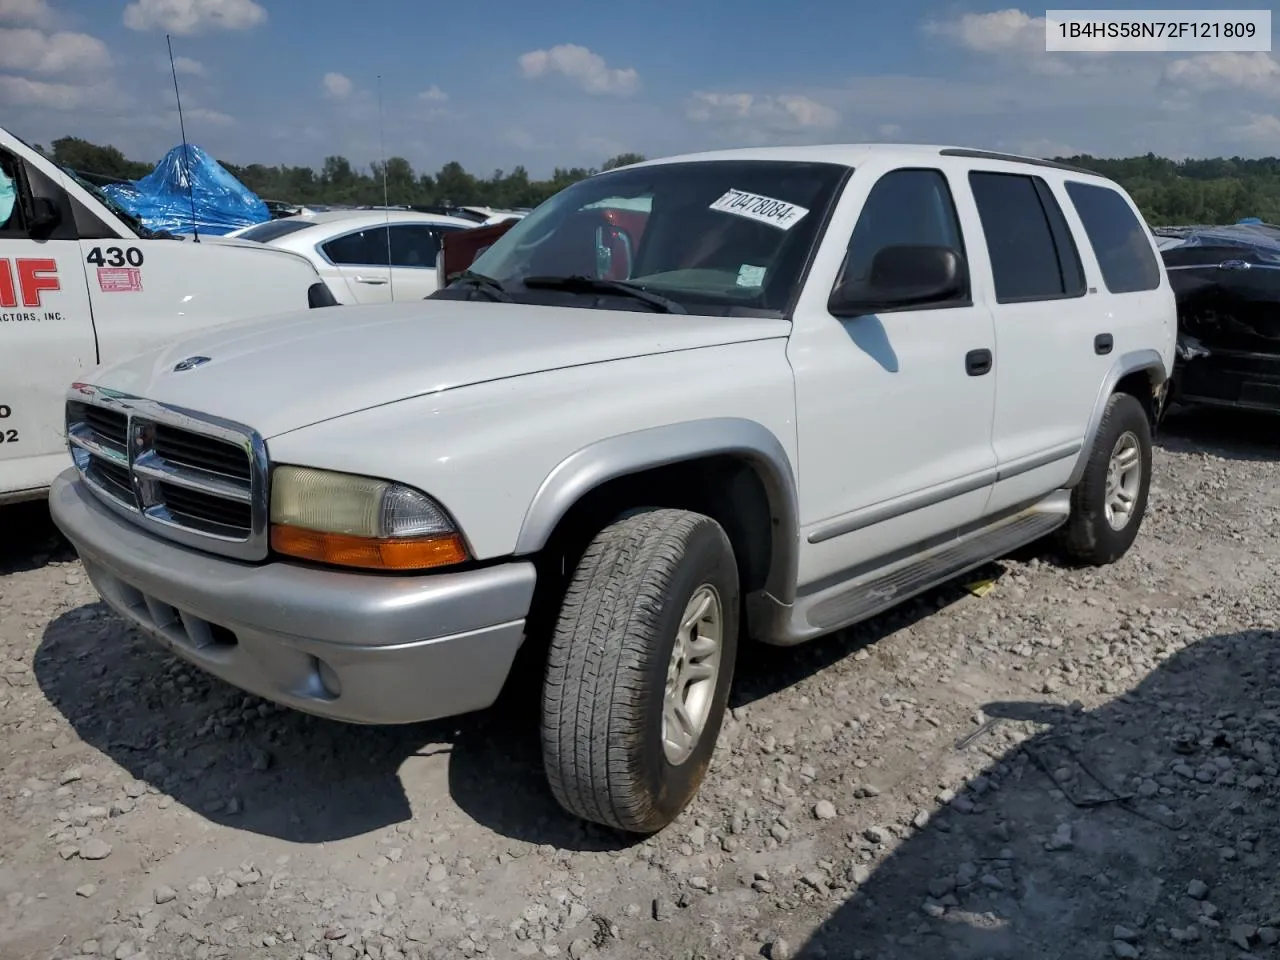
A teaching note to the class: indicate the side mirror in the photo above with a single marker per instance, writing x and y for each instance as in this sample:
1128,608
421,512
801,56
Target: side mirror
44,216
909,275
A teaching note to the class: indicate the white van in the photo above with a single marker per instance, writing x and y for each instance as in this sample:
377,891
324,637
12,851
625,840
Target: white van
82,282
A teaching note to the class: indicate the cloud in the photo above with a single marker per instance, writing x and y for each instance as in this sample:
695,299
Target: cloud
785,112
32,51
193,16
204,115
997,32
1012,34
35,13
1261,129
185,65
585,68
1212,72
337,85
433,94
23,92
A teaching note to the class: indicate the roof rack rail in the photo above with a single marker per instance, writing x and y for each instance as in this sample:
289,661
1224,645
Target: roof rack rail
1013,158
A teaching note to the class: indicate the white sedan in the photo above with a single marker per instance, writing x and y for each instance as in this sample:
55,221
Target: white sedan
365,256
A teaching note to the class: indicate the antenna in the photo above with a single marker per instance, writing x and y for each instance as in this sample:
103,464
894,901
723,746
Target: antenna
186,153
386,203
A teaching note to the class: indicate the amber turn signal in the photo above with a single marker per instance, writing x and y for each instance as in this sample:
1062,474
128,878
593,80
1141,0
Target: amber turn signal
407,554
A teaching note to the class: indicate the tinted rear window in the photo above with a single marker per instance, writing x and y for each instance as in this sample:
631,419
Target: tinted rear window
274,230
1119,240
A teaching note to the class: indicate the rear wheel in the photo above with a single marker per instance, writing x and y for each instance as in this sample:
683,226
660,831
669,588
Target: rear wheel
1109,502
639,669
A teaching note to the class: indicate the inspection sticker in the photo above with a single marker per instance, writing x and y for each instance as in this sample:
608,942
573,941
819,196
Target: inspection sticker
120,279
750,276
776,213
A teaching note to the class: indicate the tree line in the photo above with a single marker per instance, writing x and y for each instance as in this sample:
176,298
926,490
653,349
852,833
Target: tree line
1216,190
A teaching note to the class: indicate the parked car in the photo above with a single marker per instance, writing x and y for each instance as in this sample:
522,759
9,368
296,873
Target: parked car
804,385
83,282
365,256
1227,283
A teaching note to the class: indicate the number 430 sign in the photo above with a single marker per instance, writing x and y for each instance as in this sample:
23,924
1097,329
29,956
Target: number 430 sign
115,257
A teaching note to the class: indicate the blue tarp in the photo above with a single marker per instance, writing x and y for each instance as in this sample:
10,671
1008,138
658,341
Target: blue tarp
162,200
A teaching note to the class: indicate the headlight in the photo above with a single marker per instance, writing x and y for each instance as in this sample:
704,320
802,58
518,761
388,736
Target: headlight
353,521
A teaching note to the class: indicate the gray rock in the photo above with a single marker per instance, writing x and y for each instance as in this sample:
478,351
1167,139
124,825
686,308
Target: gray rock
824,810
95,849
876,834
1126,951
1242,935
1061,840
579,948
1197,889
86,890
1123,933
780,950
164,894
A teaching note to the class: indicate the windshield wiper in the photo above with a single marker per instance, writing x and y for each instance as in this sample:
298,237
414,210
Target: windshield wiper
479,281
582,284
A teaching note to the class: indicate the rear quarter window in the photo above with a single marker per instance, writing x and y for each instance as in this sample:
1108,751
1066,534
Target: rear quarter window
1118,237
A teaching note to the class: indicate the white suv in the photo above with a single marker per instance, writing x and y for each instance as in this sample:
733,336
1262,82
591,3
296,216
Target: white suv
761,393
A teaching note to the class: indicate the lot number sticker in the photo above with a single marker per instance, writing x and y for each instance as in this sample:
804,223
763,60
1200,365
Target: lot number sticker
776,213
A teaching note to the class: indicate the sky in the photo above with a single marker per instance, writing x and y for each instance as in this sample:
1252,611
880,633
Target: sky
498,83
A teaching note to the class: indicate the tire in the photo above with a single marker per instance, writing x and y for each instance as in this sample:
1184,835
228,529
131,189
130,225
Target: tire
1089,537
608,667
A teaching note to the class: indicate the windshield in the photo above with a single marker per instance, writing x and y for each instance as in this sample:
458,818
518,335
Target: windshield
718,237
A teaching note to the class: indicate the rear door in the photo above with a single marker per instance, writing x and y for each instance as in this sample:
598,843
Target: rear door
46,328
1047,373
415,250
362,260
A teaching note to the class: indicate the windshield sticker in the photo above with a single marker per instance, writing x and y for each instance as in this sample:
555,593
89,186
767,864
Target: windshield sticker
750,276
776,213
120,279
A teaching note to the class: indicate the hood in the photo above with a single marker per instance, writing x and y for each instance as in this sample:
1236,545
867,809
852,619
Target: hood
281,373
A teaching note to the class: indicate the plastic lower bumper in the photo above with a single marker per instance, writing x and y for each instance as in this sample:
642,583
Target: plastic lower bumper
363,648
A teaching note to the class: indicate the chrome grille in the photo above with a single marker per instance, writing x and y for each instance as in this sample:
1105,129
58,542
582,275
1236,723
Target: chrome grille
192,478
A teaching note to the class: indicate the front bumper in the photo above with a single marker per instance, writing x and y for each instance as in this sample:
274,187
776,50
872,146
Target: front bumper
1229,378
363,648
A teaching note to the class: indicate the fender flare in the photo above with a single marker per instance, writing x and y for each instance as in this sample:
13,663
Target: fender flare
1135,361
597,463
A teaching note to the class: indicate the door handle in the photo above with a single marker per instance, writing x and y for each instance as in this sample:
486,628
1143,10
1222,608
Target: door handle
1102,344
372,280
977,362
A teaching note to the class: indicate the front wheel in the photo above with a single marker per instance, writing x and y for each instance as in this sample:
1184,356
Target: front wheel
1109,502
639,669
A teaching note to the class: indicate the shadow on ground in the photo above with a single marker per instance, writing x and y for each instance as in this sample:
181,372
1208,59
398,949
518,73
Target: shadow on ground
245,763
29,539
1194,747
1231,434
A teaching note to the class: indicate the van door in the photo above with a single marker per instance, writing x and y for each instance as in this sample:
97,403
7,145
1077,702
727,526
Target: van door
46,328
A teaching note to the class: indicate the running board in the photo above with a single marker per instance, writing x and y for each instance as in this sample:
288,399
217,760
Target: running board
874,592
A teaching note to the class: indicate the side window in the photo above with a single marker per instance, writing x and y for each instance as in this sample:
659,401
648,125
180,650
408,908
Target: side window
1119,240
11,225
909,206
414,245
364,248
1033,256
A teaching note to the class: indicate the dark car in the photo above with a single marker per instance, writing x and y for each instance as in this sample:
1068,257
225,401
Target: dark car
1227,283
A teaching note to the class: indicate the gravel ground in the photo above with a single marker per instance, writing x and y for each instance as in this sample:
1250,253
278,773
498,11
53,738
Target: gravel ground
1069,765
